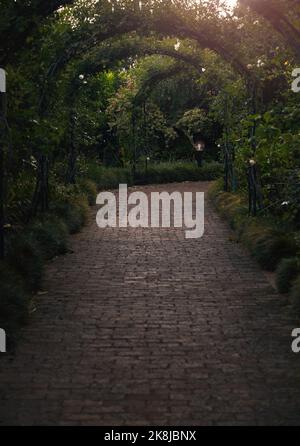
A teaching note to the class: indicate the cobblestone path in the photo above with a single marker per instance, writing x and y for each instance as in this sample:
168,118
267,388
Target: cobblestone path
144,327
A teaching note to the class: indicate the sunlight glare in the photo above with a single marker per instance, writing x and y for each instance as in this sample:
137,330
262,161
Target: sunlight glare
231,3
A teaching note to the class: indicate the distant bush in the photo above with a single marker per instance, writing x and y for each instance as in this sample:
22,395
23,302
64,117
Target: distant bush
108,177
178,172
286,274
161,173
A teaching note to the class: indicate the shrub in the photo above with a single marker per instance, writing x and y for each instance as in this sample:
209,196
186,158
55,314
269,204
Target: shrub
61,192
216,189
73,212
295,296
286,274
25,258
231,206
268,245
94,172
89,188
69,215
253,231
80,203
20,190
111,177
108,177
210,171
41,240
14,302
51,236
177,172
271,248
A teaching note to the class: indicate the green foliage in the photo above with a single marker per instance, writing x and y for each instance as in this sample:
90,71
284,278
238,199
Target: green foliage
108,177
69,214
25,258
231,206
177,172
266,243
295,294
86,84
41,240
51,236
14,302
196,121
271,248
89,188
20,192
81,205
286,274
72,212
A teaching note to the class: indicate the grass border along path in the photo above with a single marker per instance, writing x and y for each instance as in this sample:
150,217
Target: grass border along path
274,248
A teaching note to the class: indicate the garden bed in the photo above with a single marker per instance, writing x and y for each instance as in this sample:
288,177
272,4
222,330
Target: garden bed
274,248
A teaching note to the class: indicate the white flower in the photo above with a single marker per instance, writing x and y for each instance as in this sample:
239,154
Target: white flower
285,203
260,63
177,45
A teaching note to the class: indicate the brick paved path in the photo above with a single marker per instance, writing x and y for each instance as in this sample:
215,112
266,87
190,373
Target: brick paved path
145,327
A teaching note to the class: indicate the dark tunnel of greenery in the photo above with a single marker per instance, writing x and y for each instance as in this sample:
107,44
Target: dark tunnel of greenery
110,91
